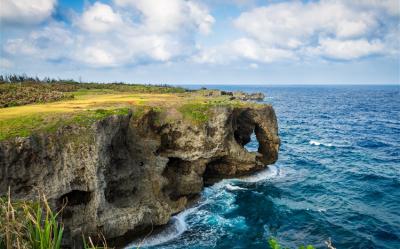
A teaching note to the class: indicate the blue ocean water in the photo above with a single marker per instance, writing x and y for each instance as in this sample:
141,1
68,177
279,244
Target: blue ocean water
338,177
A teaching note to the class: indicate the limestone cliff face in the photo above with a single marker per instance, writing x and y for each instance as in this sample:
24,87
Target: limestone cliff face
125,174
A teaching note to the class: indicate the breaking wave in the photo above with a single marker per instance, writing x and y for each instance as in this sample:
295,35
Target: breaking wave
173,229
318,143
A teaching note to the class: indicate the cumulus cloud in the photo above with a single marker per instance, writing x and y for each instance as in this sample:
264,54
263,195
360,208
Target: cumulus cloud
138,31
336,29
348,49
171,16
253,50
129,32
26,11
51,42
344,30
293,24
120,33
99,18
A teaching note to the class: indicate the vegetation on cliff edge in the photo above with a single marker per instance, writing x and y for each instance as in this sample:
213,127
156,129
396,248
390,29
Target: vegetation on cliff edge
16,90
31,105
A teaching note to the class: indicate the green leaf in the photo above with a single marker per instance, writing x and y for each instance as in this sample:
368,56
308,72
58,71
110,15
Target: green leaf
273,243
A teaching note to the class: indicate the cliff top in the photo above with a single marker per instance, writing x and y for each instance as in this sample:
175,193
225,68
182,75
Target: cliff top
30,106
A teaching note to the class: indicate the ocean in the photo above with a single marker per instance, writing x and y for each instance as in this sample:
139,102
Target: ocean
338,177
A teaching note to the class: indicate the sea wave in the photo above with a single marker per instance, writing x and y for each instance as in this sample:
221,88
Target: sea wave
176,227
329,179
178,224
318,143
268,173
233,187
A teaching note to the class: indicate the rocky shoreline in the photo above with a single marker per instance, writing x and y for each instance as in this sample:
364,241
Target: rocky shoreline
236,95
123,174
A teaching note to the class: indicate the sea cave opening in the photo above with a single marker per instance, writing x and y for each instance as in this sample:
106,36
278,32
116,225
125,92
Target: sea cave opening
253,144
244,133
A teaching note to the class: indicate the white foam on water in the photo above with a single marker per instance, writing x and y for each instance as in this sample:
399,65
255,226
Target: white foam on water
233,187
173,230
270,172
178,225
317,143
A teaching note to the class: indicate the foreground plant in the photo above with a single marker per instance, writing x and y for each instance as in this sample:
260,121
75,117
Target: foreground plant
11,229
30,225
274,244
43,229
91,245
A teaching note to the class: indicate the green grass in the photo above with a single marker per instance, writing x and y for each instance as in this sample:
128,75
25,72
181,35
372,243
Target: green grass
92,102
43,229
89,117
30,91
23,126
33,225
196,112
199,111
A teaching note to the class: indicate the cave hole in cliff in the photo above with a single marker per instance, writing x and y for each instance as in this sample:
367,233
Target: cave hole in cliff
244,132
74,198
216,169
174,168
253,144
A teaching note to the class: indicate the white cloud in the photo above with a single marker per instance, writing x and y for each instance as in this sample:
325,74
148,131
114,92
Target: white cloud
252,50
5,63
253,65
99,18
202,19
242,49
26,11
98,56
293,24
391,7
140,31
52,42
348,49
127,32
213,55
344,30
171,16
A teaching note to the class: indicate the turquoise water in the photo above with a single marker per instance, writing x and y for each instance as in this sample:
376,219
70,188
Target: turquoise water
338,176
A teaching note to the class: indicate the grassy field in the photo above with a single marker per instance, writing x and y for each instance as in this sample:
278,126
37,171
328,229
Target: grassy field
90,105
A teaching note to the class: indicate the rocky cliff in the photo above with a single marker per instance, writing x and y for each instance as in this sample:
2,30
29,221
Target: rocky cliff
127,173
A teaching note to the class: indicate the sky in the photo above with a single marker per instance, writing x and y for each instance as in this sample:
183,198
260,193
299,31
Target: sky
203,41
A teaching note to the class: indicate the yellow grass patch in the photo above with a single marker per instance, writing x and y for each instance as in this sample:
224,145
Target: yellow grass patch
87,102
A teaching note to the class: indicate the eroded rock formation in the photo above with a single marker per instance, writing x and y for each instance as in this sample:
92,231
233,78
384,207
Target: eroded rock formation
125,174
238,95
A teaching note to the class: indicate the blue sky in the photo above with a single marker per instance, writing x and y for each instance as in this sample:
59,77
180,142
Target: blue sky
203,41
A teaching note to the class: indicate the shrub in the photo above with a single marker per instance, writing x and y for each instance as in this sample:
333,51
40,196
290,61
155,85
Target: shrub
32,225
274,244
